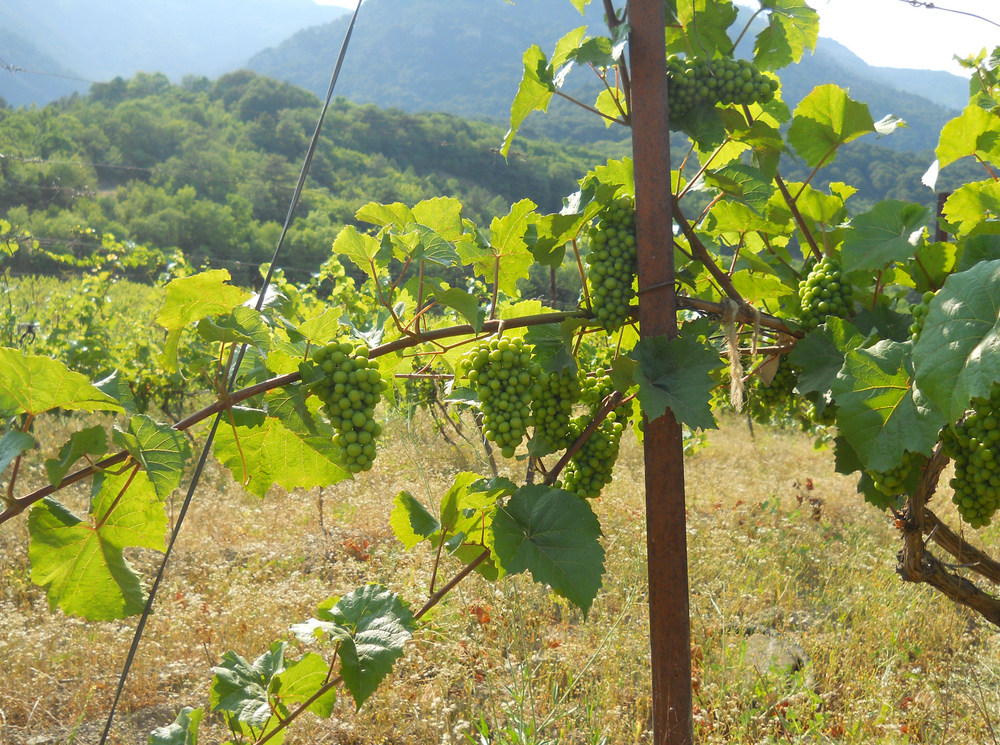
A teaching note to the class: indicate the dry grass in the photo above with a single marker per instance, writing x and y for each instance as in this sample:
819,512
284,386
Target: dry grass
885,662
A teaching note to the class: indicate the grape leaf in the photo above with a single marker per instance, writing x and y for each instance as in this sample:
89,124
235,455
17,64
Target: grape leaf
192,298
397,214
299,682
118,388
506,259
367,253
972,204
32,384
700,25
881,412
14,443
270,454
372,625
554,535
160,448
676,375
882,235
241,325
552,344
90,441
792,28
533,94
240,688
974,130
322,328
742,183
821,354
81,564
824,120
410,521
183,730
957,357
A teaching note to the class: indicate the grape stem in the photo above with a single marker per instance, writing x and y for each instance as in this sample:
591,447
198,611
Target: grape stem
612,402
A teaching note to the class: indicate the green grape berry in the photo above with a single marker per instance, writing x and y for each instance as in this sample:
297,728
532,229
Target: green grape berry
350,389
974,445
501,372
590,469
612,263
694,82
552,409
919,312
824,293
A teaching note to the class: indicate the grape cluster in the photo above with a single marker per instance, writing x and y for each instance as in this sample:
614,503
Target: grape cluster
974,445
892,483
501,372
694,82
824,293
350,389
590,468
552,409
612,262
919,312
777,400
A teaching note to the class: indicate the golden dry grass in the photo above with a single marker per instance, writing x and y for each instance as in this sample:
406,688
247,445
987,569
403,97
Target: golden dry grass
769,558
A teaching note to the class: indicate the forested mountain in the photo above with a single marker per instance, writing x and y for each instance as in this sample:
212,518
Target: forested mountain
209,167
446,55
100,39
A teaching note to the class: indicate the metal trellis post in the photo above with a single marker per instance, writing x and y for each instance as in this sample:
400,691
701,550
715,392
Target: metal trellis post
664,455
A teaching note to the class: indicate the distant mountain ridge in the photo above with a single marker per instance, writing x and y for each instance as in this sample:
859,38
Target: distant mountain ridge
101,39
437,55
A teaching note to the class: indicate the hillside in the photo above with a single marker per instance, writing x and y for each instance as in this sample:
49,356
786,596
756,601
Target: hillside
208,167
101,39
437,56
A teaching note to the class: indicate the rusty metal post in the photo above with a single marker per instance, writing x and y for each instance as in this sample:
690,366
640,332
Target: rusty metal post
669,624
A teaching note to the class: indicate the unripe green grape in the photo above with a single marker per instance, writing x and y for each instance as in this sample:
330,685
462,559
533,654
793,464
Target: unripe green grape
824,293
919,312
552,409
590,469
350,390
613,265
502,374
974,445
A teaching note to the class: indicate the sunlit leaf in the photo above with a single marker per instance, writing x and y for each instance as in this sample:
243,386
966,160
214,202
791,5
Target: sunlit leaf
32,384
554,535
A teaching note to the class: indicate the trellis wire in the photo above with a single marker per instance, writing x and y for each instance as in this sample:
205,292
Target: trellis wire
136,638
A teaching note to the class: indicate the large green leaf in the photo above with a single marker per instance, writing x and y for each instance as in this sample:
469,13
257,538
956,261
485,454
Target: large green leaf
160,448
410,521
533,94
973,131
192,298
270,453
958,354
554,535
824,120
241,325
32,384
14,443
507,258
972,204
240,688
881,412
882,235
676,375
299,682
700,27
367,253
80,564
183,730
90,441
371,625
821,354
793,27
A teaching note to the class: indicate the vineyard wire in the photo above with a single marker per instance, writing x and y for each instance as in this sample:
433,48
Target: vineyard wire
196,476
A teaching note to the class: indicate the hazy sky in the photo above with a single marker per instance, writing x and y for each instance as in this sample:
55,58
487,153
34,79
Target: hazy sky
892,33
